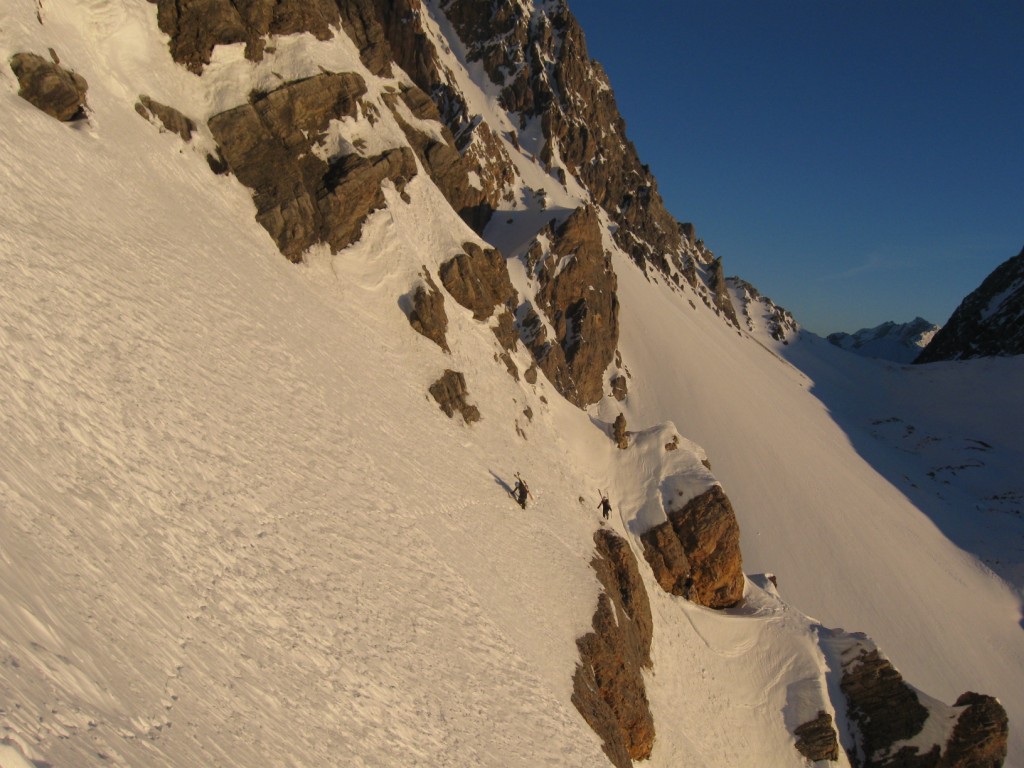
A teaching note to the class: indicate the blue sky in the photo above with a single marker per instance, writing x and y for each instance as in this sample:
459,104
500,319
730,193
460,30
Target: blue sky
856,161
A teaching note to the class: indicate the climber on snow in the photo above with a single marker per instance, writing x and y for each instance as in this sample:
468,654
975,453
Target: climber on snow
521,491
605,505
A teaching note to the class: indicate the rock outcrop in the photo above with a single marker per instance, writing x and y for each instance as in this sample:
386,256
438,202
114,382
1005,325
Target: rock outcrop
988,323
577,296
619,432
608,686
446,167
886,711
817,740
538,56
302,198
755,307
620,388
196,28
451,394
720,293
478,279
46,85
979,738
696,552
170,118
426,313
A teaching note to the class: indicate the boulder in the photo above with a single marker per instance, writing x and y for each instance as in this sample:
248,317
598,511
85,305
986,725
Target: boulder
170,118
450,393
702,537
46,85
608,685
620,388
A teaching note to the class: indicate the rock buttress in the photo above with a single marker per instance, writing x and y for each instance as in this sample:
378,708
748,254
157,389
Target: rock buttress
608,686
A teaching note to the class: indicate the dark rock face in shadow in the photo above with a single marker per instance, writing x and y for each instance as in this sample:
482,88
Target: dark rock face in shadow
608,687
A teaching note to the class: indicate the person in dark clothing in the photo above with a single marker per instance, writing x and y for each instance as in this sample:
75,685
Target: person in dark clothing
605,505
521,491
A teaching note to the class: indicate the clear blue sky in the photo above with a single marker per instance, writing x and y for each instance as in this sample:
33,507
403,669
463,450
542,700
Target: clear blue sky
858,160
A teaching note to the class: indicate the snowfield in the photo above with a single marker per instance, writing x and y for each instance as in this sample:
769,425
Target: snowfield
236,531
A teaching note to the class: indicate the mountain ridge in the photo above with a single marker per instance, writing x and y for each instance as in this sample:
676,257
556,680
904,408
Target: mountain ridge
408,229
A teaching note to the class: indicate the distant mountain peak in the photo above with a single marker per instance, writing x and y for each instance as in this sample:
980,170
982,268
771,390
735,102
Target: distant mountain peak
989,322
898,342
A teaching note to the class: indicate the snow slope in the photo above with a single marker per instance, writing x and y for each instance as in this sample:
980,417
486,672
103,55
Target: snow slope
236,531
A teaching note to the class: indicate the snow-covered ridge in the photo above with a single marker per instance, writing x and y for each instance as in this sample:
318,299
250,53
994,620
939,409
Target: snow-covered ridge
898,342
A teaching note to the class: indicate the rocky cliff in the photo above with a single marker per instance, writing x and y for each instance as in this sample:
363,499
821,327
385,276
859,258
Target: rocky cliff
988,323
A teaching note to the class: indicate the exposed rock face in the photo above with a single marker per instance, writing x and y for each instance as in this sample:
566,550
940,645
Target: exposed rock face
720,293
988,323
779,322
446,167
538,56
817,740
426,312
620,388
577,295
478,279
885,711
979,739
46,85
699,541
619,433
197,27
608,686
169,117
450,393
883,706
301,198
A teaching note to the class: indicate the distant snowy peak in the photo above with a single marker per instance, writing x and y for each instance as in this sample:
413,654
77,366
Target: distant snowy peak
898,342
988,323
